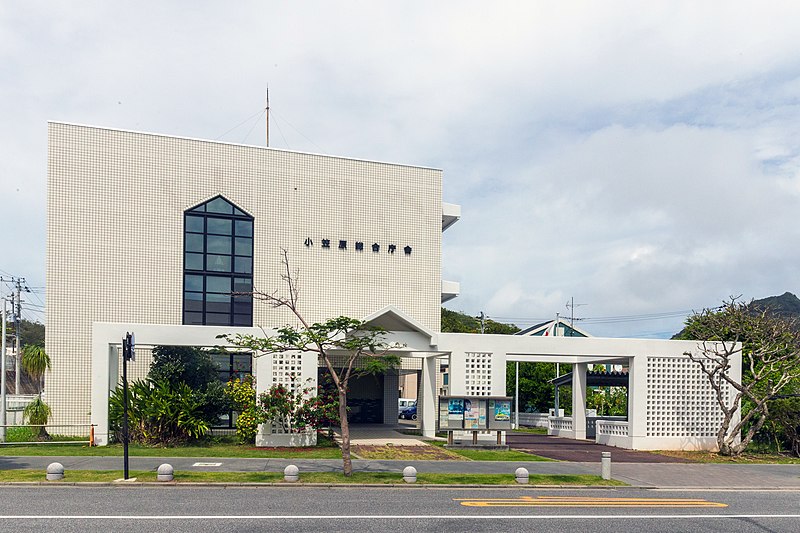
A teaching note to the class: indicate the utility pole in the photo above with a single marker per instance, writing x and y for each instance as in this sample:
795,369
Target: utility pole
482,318
3,419
571,305
17,327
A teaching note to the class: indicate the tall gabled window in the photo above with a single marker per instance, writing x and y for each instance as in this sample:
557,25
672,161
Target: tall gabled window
217,262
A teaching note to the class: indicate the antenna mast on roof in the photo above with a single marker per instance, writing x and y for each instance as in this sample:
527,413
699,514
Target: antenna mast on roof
267,114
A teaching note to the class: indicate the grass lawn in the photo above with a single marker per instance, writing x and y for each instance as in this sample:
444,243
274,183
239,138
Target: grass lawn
326,449
535,431
744,458
377,478
492,455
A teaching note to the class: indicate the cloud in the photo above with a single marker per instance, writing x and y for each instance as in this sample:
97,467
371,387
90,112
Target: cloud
640,157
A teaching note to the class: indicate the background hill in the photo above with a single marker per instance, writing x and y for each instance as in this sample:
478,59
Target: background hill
787,305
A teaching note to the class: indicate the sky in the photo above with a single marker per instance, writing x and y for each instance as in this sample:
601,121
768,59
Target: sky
639,159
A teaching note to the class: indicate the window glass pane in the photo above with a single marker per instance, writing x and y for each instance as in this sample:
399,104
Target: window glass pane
222,360
216,307
191,304
244,228
242,320
242,362
242,284
194,242
192,318
244,246
193,282
244,265
220,226
219,205
218,319
219,263
219,245
239,212
194,261
216,297
242,306
218,284
194,224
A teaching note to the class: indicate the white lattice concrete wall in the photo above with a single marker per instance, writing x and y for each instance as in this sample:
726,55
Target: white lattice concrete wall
295,371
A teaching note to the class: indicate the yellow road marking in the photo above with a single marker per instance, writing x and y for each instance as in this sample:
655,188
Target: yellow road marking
570,501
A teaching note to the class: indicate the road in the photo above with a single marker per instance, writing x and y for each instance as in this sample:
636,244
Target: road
294,509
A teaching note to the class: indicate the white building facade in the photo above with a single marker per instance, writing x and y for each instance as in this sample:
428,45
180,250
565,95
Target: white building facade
153,234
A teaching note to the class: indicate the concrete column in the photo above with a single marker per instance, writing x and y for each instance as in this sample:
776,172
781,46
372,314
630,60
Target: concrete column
427,397
104,378
637,397
579,400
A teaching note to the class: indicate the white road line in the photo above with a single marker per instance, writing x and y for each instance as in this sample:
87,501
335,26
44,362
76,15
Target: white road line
392,517
207,464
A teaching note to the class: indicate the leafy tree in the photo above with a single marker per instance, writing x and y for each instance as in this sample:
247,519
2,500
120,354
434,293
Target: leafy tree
195,368
457,322
355,338
770,352
536,393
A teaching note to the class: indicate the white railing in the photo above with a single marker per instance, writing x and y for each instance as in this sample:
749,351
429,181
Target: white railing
613,428
561,423
536,420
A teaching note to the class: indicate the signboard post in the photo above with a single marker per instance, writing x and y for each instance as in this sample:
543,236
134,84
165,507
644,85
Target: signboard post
128,353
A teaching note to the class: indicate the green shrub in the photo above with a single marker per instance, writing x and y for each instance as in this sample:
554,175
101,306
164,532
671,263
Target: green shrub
38,413
159,413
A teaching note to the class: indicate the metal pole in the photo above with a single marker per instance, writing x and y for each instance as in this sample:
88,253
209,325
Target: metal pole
125,405
516,393
17,327
3,418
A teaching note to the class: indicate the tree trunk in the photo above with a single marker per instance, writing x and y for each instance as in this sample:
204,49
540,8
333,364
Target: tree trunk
347,464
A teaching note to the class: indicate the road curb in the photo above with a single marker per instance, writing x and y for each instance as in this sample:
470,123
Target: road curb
310,485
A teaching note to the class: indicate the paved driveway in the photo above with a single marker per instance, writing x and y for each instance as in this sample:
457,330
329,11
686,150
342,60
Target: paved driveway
580,451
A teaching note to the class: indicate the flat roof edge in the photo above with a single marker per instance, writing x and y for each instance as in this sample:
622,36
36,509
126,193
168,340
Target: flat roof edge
227,143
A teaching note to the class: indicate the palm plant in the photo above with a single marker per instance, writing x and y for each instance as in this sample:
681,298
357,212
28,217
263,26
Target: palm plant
35,362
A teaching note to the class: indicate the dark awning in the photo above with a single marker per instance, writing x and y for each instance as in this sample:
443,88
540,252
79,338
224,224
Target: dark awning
596,379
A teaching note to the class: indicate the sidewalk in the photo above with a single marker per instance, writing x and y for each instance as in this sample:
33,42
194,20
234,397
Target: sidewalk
664,475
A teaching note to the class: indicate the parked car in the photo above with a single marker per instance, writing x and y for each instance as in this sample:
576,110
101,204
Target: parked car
409,413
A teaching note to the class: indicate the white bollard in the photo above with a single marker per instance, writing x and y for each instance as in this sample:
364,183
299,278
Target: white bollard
55,471
165,472
410,474
605,465
521,475
291,473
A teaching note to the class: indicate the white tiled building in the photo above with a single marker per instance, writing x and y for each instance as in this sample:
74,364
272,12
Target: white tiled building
151,234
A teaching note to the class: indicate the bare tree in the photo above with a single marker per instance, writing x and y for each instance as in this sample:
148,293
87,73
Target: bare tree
356,341
770,352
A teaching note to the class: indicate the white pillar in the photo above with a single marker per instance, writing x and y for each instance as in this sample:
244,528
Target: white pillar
104,378
637,398
427,397
579,400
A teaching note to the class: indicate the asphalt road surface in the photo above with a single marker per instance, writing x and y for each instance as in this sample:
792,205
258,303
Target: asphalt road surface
414,509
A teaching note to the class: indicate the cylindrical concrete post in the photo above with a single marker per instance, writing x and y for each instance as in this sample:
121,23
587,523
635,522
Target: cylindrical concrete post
410,474
521,475
165,472
55,471
605,465
291,473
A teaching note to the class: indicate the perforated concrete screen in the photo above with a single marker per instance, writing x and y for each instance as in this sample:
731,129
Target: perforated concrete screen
287,370
478,371
680,402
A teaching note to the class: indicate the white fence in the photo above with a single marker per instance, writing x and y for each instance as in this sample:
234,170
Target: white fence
536,420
